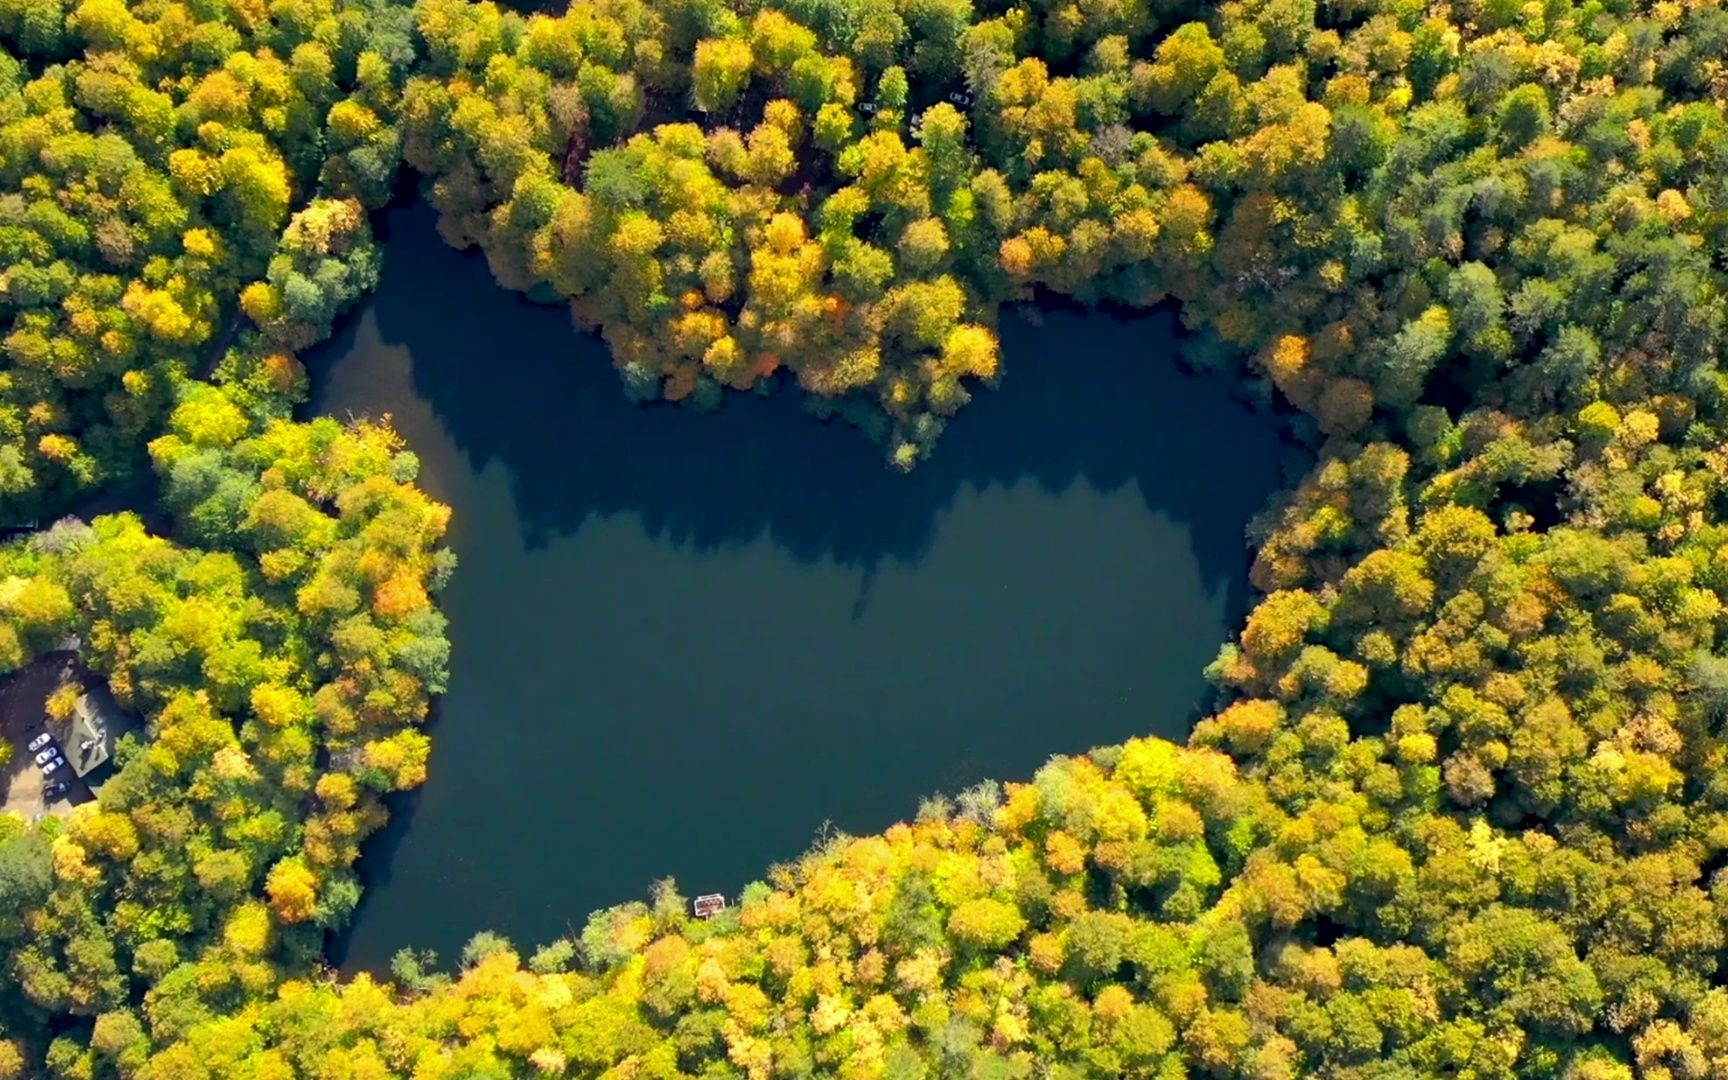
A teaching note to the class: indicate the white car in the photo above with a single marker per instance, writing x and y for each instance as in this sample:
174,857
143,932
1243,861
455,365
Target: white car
43,755
40,741
49,766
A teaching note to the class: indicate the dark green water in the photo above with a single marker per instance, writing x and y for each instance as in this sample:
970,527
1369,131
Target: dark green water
682,643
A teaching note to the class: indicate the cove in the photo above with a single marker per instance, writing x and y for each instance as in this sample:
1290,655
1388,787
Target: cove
683,643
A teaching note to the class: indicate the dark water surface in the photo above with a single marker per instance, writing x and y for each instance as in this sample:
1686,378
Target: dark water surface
682,643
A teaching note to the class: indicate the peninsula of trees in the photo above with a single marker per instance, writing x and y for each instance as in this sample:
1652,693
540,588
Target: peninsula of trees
1461,811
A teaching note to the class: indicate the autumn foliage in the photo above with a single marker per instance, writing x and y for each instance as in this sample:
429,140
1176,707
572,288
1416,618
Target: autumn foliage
1458,810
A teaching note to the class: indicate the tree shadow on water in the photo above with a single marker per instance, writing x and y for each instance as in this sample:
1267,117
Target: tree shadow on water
704,736
1086,397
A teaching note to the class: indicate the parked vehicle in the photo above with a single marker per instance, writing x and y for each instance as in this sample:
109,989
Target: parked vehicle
49,767
40,741
56,790
46,753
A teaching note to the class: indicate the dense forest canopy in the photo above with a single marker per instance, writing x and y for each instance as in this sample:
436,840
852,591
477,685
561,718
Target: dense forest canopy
1460,811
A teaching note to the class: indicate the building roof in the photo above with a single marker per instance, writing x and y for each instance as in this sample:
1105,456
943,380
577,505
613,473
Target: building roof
97,720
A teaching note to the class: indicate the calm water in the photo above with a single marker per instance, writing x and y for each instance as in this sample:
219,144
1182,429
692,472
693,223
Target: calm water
682,643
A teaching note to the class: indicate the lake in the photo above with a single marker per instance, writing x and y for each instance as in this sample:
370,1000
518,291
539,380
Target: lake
683,643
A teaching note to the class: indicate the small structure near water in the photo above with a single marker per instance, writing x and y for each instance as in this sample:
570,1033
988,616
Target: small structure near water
708,905
97,720
83,730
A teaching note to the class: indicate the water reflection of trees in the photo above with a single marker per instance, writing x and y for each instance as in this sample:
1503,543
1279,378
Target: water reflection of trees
1090,398
1085,400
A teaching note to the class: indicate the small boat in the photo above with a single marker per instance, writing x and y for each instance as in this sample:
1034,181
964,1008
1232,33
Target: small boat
708,905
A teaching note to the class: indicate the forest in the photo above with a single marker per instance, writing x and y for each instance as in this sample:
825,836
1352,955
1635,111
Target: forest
1460,810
